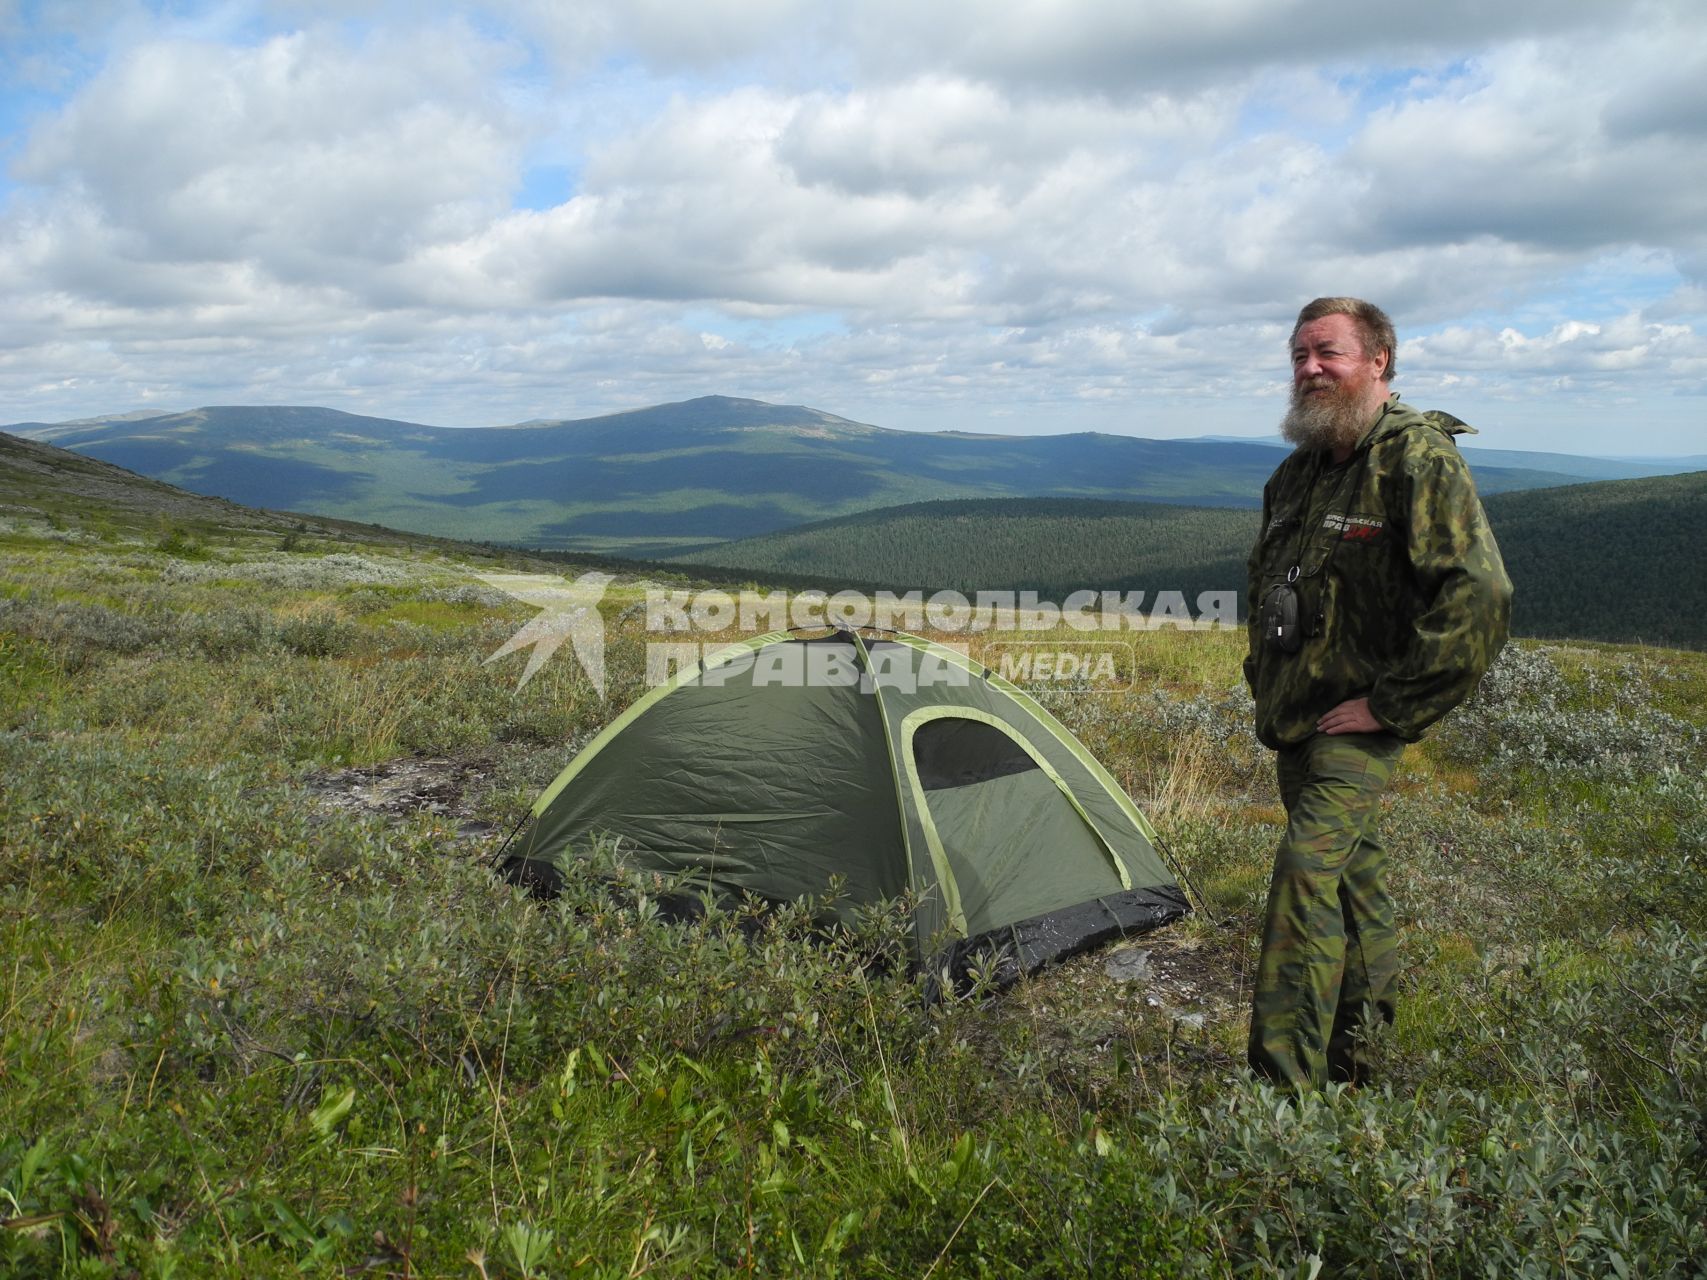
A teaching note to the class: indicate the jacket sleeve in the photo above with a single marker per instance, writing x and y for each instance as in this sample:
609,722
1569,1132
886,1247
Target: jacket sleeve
1464,594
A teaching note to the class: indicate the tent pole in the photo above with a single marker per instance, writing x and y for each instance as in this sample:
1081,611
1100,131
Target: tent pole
526,814
1179,870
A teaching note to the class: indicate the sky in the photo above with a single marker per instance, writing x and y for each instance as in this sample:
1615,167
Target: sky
1017,216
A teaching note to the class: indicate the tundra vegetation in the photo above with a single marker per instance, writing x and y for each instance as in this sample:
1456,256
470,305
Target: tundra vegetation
254,1021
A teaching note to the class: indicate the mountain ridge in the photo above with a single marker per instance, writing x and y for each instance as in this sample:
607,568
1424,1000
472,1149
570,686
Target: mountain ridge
655,479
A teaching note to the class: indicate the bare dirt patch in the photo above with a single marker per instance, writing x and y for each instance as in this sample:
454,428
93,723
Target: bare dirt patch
1194,980
1174,999
437,786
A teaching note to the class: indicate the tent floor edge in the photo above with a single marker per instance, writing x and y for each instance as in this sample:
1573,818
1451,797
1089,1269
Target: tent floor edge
1027,946
540,877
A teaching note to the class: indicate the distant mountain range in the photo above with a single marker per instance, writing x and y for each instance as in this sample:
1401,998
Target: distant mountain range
674,477
1568,464
1622,560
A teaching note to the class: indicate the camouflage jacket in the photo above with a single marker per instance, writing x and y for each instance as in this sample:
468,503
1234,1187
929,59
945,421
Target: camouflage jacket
1403,596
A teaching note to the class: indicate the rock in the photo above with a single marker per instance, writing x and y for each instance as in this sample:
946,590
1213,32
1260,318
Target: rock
1128,965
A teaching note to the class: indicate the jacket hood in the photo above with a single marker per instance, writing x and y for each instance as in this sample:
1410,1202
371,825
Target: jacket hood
1396,415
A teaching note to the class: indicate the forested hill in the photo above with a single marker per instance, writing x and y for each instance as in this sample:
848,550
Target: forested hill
1622,560
1050,545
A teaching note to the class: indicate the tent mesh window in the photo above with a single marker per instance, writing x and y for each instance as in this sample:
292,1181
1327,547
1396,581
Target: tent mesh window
952,752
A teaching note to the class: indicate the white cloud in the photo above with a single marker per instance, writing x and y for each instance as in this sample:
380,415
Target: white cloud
1539,147
1598,355
302,157
1055,215
1123,47
664,33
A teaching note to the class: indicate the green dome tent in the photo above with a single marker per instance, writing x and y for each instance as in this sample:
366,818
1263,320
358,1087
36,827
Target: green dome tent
894,763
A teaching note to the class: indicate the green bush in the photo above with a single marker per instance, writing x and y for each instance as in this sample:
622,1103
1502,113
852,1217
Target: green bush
247,1031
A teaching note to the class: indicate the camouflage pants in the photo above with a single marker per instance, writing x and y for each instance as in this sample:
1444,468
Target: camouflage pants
1329,946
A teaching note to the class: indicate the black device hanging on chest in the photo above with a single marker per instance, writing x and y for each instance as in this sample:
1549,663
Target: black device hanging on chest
1283,626
1280,625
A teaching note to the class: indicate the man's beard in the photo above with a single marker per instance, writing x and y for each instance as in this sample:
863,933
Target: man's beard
1332,421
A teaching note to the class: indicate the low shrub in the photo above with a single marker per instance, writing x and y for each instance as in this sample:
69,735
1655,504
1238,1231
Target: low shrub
248,1031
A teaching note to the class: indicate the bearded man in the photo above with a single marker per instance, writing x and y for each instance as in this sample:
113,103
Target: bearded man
1377,600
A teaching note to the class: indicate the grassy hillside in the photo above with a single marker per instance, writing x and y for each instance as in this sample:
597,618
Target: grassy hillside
651,481
85,499
266,1013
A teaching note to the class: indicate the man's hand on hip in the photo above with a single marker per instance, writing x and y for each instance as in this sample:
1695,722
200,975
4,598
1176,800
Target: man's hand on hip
1352,716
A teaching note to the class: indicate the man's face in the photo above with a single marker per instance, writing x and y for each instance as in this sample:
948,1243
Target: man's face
1336,388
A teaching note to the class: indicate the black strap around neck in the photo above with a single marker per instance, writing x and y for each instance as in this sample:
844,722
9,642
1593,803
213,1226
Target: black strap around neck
1296,571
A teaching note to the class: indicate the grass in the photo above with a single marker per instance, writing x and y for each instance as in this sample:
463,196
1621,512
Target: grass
247,1032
